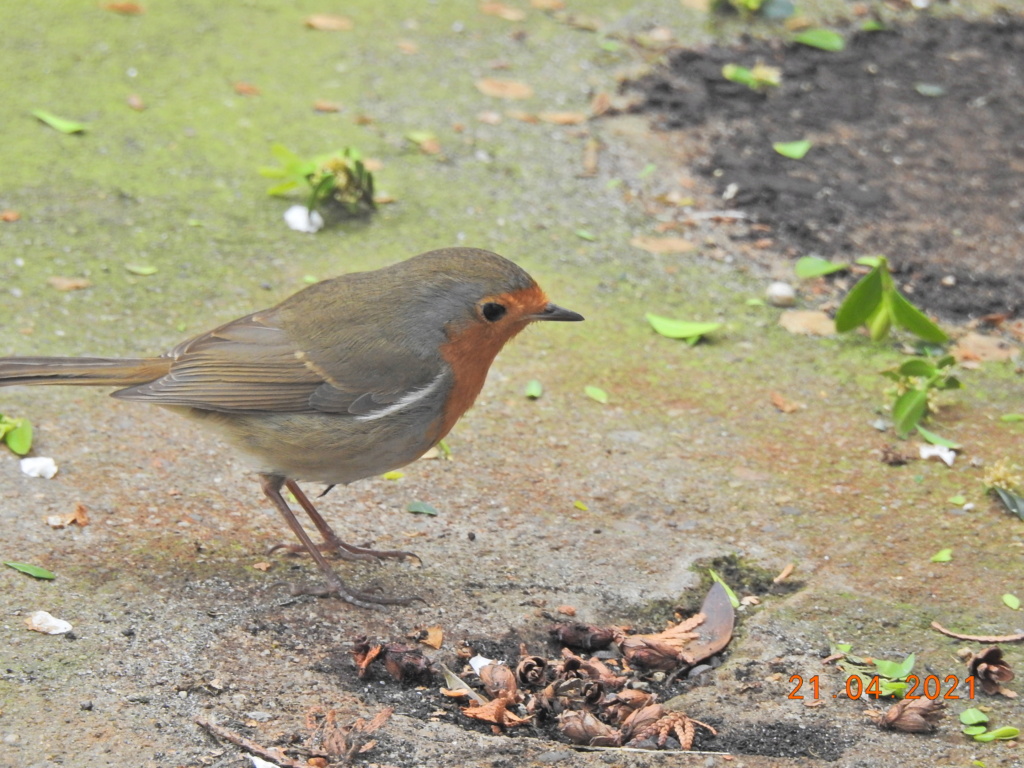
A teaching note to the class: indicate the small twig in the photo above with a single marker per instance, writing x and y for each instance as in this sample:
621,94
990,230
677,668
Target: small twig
274,754
979,638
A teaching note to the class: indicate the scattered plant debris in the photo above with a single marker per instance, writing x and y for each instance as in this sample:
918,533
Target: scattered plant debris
915,390
339,179
910,715
990,669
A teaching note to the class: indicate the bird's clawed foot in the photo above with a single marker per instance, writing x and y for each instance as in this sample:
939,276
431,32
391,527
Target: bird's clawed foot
346,551
333,586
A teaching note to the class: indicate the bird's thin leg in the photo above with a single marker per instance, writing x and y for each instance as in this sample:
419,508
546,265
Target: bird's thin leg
331,540
271,485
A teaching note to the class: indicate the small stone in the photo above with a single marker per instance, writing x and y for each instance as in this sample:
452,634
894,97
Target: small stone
781,294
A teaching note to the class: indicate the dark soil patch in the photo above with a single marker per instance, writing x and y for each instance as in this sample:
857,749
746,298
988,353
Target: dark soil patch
934,182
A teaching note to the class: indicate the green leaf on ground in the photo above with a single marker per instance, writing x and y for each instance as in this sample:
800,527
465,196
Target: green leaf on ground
973,716
143,270
794,150
1011,417
59,123
421,508
34,571
1006,732
1011,501
680,329
815,266
942,556
1011,601
534,389
19,436
824,39
596,393
586,234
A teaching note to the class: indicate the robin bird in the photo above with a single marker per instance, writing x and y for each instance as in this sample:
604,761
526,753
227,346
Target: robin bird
348,378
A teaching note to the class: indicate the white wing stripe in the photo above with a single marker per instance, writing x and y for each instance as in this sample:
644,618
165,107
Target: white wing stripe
411,398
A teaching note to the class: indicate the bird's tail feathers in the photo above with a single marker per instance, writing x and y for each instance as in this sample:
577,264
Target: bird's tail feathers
86,371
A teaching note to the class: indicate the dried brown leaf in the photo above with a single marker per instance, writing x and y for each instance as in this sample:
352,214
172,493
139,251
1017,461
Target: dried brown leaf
784,405
246,89
562,118
785,573
653,244
548,5
329,22
408,47
503,89
434,637
495,712
79,516
9,215
68,283
976,347
134,101
502,11
808,322
320,105
125,9
521,116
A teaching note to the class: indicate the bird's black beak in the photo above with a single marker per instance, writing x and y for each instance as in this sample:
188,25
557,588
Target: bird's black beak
555,312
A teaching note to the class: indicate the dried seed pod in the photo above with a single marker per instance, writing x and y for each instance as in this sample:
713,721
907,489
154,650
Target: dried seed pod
621,705
990,669
531,671
641,719
909,715
406,664
584,636
647,653
583,728
498,680
593,692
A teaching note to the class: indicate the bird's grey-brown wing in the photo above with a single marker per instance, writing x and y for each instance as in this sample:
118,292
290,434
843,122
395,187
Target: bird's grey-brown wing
252,364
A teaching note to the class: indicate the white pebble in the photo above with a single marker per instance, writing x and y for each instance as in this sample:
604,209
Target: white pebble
301,219
39,466
781,295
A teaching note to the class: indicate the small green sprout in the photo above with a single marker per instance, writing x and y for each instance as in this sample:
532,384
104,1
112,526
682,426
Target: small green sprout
877,303
338,178
916,392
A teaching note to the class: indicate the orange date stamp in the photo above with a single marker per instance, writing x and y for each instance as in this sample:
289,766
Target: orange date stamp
930,687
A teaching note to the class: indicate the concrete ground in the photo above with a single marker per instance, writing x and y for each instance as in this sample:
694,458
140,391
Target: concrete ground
688,462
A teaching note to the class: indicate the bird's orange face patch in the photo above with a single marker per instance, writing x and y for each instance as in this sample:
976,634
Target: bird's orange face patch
472,347
521,303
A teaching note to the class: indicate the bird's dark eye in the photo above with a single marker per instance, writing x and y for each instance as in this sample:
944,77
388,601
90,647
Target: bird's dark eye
492,311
